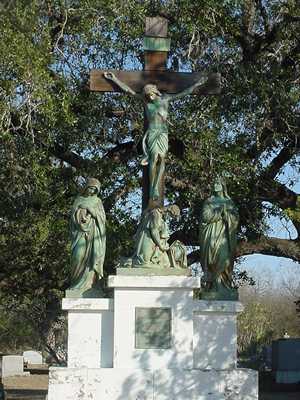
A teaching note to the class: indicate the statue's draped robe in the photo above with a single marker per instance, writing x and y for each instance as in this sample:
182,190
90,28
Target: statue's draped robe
147,251
88,240
218,240
155,141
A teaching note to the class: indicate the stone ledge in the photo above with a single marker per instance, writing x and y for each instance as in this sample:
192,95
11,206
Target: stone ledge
165,384
153,271
73,304
217,306
158,282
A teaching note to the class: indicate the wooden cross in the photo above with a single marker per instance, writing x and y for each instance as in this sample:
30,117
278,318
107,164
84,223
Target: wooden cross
156,46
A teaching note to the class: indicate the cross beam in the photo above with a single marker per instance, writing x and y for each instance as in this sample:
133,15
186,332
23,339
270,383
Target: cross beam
166,81
156,47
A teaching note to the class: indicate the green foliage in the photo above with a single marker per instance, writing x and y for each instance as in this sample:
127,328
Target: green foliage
269,313
255,328
294,213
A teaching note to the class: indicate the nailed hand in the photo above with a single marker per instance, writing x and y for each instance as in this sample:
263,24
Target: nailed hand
109,75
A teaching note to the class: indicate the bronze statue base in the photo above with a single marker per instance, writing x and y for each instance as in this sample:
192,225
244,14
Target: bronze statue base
148,271
222,294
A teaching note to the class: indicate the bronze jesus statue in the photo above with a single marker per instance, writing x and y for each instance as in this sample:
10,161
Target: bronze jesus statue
155,141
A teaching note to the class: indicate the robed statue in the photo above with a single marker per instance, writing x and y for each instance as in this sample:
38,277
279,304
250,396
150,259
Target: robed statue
218,239
155,141
88,238
152,249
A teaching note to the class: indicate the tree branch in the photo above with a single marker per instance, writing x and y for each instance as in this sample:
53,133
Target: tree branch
253,44
277,193
290,59
187,237
69,156
193,257
271,246
284,156
121,152
264,15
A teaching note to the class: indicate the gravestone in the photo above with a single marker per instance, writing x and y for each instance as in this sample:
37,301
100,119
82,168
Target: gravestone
12,366
32,357
286,360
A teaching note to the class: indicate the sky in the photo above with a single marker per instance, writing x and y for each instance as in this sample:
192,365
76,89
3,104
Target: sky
260,266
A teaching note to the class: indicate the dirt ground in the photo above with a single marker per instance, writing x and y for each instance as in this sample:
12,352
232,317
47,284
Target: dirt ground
32,387
32,382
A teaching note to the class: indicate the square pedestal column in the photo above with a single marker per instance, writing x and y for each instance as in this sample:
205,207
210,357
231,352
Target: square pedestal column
153,321
215,334
90,332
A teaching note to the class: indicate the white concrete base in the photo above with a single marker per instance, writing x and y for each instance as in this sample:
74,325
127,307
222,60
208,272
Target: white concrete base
90,332
172,292
172,384
108,360
215,334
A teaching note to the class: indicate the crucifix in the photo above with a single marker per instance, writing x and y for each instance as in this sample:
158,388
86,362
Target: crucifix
156,87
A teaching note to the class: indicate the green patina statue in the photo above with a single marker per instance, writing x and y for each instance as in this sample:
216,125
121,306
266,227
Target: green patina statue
88,240
152,251
218,239
155,141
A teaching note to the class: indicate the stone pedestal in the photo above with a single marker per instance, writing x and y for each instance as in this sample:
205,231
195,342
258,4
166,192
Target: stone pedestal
154,341
138,297
163,384
90,332
215,334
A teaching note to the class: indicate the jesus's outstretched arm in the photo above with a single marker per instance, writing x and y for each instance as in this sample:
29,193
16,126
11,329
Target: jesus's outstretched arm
211,85
112,77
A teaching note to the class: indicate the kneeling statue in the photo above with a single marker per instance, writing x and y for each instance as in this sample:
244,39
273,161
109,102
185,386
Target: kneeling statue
151,242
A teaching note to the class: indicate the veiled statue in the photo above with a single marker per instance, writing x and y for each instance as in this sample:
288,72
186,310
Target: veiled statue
155,141
151,241
218,239
88,238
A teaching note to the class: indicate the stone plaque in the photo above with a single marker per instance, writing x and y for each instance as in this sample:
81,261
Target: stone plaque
153,328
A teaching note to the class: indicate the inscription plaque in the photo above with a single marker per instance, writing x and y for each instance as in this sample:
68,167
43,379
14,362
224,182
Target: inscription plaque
153,328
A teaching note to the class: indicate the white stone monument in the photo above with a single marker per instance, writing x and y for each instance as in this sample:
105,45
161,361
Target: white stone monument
32,357
12,366
153,341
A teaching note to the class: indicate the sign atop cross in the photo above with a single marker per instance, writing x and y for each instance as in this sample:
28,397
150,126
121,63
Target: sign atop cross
165,86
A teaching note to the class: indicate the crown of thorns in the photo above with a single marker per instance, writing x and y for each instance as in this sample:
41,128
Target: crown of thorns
151,88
